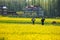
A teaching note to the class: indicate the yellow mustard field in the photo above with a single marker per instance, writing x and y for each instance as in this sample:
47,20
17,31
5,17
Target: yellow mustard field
10,31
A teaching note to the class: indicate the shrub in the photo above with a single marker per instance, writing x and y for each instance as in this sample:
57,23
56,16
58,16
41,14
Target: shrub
53,22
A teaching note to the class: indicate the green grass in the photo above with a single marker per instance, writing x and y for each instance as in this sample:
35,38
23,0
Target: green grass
26,22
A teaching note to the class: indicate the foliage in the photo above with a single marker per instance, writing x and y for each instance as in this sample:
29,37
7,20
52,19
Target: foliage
51,7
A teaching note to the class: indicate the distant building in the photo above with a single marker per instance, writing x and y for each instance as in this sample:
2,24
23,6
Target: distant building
3,10
0,10
37,9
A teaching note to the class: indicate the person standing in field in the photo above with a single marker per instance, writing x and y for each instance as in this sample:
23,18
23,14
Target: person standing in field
33,20
42,20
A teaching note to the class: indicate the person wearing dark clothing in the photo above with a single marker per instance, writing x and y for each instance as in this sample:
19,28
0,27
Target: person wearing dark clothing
33,20
42,21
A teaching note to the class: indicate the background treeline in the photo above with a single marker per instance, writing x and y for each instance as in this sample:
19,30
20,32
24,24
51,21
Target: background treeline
51,7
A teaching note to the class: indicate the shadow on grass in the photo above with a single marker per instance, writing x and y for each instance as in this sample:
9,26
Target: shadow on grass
2,38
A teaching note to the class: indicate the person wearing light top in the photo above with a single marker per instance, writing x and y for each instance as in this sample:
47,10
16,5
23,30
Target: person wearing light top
33,20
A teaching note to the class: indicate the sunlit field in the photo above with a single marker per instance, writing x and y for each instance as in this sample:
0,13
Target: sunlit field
23,29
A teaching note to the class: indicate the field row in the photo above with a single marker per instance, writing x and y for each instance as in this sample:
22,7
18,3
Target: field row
26,20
